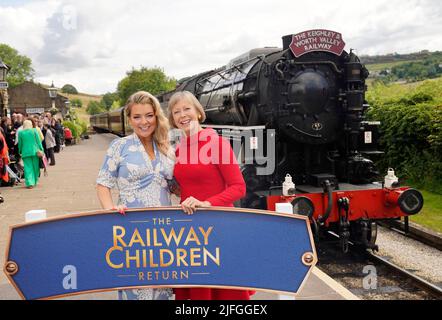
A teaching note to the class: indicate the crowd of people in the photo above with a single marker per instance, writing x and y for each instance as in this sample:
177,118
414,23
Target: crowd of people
28,143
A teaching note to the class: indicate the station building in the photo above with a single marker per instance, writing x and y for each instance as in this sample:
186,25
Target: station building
34,98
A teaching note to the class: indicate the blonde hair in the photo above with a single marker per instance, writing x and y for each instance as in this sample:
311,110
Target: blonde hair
27,124
161,134
185,95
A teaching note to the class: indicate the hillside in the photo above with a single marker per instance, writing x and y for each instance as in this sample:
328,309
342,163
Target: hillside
404,68
381,94
395,58
85,99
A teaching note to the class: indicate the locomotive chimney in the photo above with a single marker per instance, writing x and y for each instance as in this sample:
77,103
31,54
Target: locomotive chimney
286,40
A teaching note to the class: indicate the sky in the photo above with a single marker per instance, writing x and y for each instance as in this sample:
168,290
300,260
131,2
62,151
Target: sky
92,44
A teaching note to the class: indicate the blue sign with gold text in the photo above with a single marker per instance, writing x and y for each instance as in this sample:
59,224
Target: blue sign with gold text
160,247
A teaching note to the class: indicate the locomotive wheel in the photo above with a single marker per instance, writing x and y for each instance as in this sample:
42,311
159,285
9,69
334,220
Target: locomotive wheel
373,233
364,233
253,201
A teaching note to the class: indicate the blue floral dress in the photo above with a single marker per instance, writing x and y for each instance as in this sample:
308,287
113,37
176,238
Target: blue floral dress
141,183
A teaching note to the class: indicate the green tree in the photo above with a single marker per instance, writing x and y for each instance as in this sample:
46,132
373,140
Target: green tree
152,80
76,103
21,66
108,99
69,88
115,105
94,107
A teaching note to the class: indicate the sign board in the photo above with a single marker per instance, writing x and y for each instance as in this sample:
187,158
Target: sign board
32,110
160,247
4,85
317,40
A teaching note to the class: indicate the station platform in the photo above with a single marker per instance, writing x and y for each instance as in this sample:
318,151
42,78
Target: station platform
70,187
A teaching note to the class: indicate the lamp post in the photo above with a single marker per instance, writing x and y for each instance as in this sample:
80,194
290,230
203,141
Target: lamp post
67,108
53,95
3,88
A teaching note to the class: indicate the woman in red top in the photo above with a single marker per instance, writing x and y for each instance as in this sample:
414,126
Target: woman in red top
4,158
208,174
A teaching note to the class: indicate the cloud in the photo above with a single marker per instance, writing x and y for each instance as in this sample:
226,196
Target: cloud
91,44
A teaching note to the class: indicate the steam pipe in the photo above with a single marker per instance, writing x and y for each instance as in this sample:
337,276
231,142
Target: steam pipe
327,188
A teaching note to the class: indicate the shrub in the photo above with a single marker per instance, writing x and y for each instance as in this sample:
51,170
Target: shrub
94,107
411,125
83,126
76,103
75,128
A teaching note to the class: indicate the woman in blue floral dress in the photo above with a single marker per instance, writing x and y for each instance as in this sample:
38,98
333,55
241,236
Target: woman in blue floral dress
139,166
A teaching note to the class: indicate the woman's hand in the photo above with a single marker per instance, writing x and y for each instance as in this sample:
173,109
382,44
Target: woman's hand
175,189
105,197
190,204
121,209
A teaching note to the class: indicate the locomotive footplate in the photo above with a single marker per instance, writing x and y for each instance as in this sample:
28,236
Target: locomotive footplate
368,200
352,210
340,187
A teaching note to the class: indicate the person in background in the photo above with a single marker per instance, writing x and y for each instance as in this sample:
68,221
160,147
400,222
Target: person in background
68,137
214,181
139,166
29,146
8,132
43,130
18,126
59,133
57,130
18,122
4,158
50,144
34,121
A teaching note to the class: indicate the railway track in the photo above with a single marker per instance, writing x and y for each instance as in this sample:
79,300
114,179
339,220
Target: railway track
373,277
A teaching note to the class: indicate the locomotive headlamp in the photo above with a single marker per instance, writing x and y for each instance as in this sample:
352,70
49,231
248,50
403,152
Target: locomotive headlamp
410,201
303,206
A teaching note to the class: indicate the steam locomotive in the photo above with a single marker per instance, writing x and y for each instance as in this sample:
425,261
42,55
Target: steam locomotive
302,107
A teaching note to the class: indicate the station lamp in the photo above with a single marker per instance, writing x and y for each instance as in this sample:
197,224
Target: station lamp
53,95
52,91
3,71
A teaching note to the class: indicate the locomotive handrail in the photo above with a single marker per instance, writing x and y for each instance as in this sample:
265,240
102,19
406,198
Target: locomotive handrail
327,188
219,126
222,87
316,136
292,62
236,66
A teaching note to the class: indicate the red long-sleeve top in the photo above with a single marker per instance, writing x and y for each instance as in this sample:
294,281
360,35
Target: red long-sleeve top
4,159
207,170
